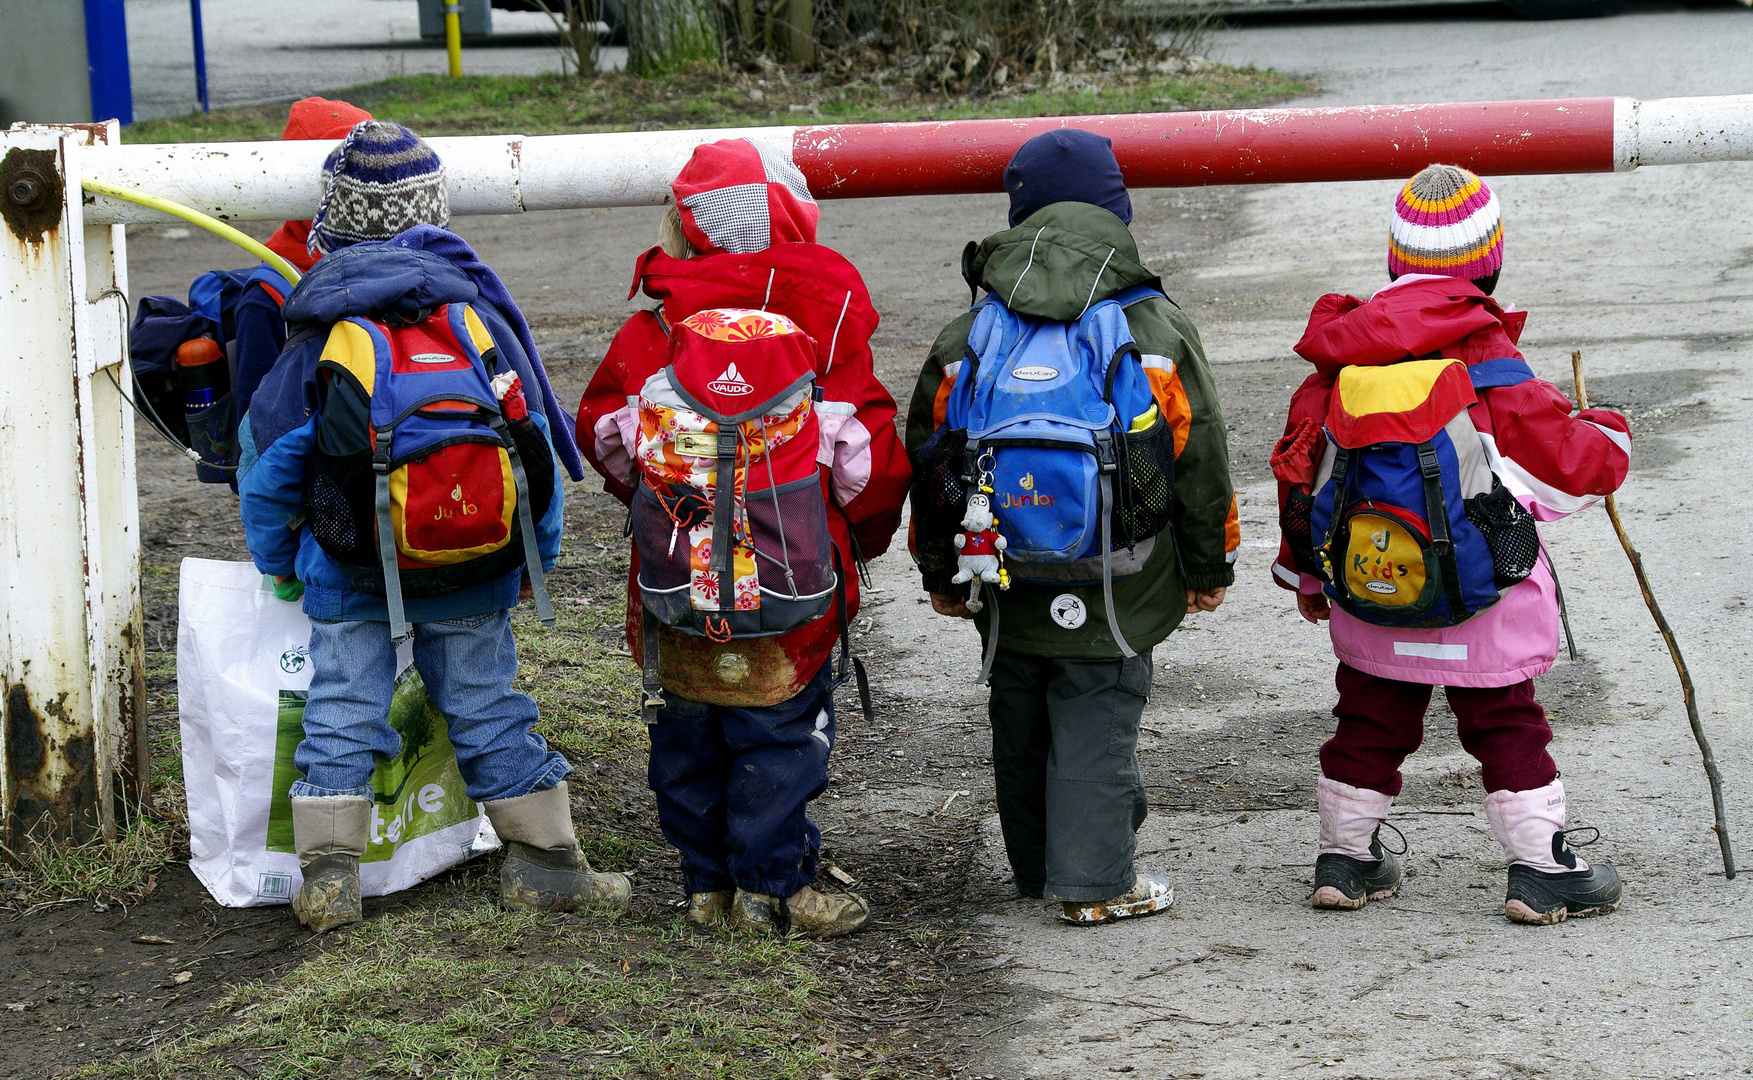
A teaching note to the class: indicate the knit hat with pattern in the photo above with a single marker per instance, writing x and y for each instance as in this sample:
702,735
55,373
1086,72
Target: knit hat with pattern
1446,222
382,180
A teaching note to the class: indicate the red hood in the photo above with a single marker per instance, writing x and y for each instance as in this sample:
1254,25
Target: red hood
728,187
811,285
1449,317
311,119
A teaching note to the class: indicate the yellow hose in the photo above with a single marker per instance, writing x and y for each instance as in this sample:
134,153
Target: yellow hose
195,217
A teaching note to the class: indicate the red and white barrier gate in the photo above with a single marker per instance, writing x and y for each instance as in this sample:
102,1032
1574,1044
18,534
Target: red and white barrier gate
71,669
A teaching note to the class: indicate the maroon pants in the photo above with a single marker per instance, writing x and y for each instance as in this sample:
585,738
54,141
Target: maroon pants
1382,720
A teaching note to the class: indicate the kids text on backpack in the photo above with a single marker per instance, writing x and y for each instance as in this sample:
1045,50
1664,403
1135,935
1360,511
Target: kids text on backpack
742,423
1413,465
1074,403
403,479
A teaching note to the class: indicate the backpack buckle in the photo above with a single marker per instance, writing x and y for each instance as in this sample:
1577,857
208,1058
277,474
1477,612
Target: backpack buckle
727,443
1105,458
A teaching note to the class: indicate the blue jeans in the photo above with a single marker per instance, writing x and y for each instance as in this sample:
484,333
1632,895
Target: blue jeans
468,665
732,783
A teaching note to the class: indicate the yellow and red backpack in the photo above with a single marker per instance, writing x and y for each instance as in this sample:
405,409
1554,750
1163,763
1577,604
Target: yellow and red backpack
428,473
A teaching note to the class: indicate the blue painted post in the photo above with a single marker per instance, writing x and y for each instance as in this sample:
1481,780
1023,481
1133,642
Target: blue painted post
200,54
106,55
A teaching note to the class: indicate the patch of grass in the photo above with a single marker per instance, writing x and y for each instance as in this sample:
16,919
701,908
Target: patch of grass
95,871
467,990
546,104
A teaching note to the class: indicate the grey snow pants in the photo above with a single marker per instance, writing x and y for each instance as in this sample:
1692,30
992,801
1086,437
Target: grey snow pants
1065,759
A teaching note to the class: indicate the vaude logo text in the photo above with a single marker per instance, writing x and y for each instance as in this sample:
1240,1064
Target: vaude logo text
731,383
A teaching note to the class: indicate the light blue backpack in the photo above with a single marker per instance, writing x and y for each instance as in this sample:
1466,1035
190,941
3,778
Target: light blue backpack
1060,417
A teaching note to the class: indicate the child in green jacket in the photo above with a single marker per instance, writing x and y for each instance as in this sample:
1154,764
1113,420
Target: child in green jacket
1066,697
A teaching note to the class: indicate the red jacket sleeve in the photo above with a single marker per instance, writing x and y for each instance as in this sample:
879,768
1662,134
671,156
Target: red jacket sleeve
1295,458
868,469
1563,462
608,415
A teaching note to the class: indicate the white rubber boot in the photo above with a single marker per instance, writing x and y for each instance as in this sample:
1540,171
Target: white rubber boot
1548,881
1352,868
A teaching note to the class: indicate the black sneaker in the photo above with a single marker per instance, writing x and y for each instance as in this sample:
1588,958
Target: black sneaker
1343,883
1545,897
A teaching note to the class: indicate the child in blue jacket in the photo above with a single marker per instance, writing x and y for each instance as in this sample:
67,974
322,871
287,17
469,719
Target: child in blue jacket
380,228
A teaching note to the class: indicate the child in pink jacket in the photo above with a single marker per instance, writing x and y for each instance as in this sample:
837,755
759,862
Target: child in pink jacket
1445,252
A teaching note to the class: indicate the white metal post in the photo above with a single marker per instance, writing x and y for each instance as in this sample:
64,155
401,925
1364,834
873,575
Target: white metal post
72,678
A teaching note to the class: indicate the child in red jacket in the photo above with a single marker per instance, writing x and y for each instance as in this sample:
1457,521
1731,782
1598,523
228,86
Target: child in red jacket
741,744
1445,254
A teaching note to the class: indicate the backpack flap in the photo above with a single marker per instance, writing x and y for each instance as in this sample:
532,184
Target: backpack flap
1390,516
729,518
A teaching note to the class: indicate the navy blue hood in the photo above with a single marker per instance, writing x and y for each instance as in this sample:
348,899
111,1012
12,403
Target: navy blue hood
1068,165
368,279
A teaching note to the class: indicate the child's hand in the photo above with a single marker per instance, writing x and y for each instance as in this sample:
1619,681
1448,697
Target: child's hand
1313,607
1204,599
288,588
950,604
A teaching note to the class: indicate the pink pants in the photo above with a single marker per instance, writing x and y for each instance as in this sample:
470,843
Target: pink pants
1381,721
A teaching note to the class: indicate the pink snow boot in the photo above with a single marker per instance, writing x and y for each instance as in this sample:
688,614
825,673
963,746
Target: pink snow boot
1353,867
1548,883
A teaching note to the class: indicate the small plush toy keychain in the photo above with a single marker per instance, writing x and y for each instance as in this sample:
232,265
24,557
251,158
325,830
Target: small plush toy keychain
979,547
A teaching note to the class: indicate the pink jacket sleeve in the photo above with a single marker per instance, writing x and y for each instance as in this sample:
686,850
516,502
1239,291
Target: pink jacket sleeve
868,469
1558,462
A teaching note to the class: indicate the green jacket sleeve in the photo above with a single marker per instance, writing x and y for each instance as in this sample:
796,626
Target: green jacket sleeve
923,411
1206,529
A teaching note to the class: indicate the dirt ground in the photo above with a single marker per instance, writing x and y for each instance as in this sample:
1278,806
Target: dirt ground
1242,979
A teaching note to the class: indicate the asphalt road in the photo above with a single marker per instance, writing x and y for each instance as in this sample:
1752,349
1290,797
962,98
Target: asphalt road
1651,275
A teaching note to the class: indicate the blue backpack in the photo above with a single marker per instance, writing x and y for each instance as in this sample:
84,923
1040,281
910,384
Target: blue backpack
1058,420
1408,523
162,324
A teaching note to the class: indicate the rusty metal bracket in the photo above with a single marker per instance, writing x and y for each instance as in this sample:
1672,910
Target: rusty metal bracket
32,187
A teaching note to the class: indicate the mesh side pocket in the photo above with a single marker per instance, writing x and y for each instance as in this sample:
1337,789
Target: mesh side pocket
1294,522
340,506
794,553
1509,532
1145,494
213,435
940,498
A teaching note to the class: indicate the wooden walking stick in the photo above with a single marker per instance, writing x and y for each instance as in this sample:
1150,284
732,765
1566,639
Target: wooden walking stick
1649,598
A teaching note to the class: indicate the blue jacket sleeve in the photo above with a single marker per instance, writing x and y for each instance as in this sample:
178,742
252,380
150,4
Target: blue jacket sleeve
261,334
271,500
552,524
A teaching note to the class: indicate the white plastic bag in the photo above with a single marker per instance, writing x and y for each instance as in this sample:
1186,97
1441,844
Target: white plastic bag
243,669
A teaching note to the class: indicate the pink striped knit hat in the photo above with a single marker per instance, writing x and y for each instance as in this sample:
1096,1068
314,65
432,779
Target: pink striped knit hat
1446,222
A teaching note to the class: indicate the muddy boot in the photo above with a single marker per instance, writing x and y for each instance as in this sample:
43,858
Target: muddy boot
544,870
758,913
1352,868
709,909
1548,883
329,833
1151,894
1343,883
826,915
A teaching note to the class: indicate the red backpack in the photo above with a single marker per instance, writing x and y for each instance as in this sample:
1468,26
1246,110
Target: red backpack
729,519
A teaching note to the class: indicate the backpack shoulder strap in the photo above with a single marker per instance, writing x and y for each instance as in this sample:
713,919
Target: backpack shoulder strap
1133,294
1503,371
272,282
358,347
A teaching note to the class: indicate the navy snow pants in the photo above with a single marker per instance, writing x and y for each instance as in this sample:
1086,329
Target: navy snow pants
732,783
